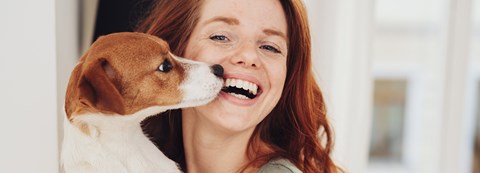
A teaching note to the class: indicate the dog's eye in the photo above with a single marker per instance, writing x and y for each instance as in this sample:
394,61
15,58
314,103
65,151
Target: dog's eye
165,67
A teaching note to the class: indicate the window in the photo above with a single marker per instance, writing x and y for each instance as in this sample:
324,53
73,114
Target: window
408,59
386,143
420,45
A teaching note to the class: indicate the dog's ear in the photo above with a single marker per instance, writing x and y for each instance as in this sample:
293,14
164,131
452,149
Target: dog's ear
98,88
71,95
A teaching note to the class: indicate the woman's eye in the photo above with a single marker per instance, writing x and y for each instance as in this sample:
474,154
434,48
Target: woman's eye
220,38
270,48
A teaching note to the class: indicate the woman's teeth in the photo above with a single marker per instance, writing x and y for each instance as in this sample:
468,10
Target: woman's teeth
239,96
240,88
246,85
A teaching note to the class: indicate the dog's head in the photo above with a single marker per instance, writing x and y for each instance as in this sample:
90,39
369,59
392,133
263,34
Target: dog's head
124,73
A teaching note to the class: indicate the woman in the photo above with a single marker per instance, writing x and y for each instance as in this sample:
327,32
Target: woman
277,122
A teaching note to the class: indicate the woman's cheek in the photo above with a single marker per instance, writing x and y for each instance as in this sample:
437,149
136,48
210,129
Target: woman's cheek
210,54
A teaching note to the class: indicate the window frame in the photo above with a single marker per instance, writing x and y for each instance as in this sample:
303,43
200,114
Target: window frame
413,76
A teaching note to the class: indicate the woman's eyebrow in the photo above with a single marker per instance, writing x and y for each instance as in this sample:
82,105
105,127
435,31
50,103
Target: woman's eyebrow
234,21
274,32
227,20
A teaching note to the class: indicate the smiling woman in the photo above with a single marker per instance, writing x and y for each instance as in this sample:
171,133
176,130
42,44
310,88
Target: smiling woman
270,113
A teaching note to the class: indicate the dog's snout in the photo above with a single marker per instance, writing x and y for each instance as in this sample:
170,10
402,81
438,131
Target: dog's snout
217,70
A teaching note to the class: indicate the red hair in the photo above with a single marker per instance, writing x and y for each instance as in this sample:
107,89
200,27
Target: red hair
297,129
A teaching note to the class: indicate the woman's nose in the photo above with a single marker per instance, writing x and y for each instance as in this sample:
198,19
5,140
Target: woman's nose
247,55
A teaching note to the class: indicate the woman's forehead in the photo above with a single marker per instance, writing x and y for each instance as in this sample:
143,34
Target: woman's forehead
266,13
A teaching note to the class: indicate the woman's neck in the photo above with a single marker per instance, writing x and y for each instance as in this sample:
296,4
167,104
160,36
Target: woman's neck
213,150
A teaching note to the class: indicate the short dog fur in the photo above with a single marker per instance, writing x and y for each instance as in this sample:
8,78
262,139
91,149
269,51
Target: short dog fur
122,79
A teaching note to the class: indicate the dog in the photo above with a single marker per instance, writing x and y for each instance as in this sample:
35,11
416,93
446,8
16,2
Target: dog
122,79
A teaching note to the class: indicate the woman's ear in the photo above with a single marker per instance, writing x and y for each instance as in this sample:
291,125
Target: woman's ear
98,88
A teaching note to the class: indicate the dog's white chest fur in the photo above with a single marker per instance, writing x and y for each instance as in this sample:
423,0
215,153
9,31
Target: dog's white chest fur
116,144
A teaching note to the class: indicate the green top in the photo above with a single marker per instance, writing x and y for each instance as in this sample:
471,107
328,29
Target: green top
279,165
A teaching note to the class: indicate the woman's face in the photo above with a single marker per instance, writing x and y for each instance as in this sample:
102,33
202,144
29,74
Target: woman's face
248,38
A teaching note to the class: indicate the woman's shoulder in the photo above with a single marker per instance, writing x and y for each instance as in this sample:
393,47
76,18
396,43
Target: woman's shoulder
279,165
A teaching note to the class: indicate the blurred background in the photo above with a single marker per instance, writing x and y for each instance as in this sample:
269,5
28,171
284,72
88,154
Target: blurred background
401,78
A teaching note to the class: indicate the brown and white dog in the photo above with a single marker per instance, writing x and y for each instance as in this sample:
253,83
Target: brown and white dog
122,79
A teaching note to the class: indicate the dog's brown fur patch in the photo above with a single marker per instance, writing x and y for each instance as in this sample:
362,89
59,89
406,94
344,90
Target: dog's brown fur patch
119,75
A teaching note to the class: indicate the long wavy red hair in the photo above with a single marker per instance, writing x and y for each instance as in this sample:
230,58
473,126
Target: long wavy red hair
297,129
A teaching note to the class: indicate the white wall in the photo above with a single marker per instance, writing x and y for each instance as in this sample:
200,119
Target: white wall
341,37
67,47
456,143
28,102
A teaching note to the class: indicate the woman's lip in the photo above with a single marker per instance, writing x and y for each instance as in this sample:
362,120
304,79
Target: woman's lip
238,101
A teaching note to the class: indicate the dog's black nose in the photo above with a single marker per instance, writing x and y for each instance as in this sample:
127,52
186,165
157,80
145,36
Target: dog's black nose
217,70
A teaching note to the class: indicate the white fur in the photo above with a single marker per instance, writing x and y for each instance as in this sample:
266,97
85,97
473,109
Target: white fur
199,84
116,144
